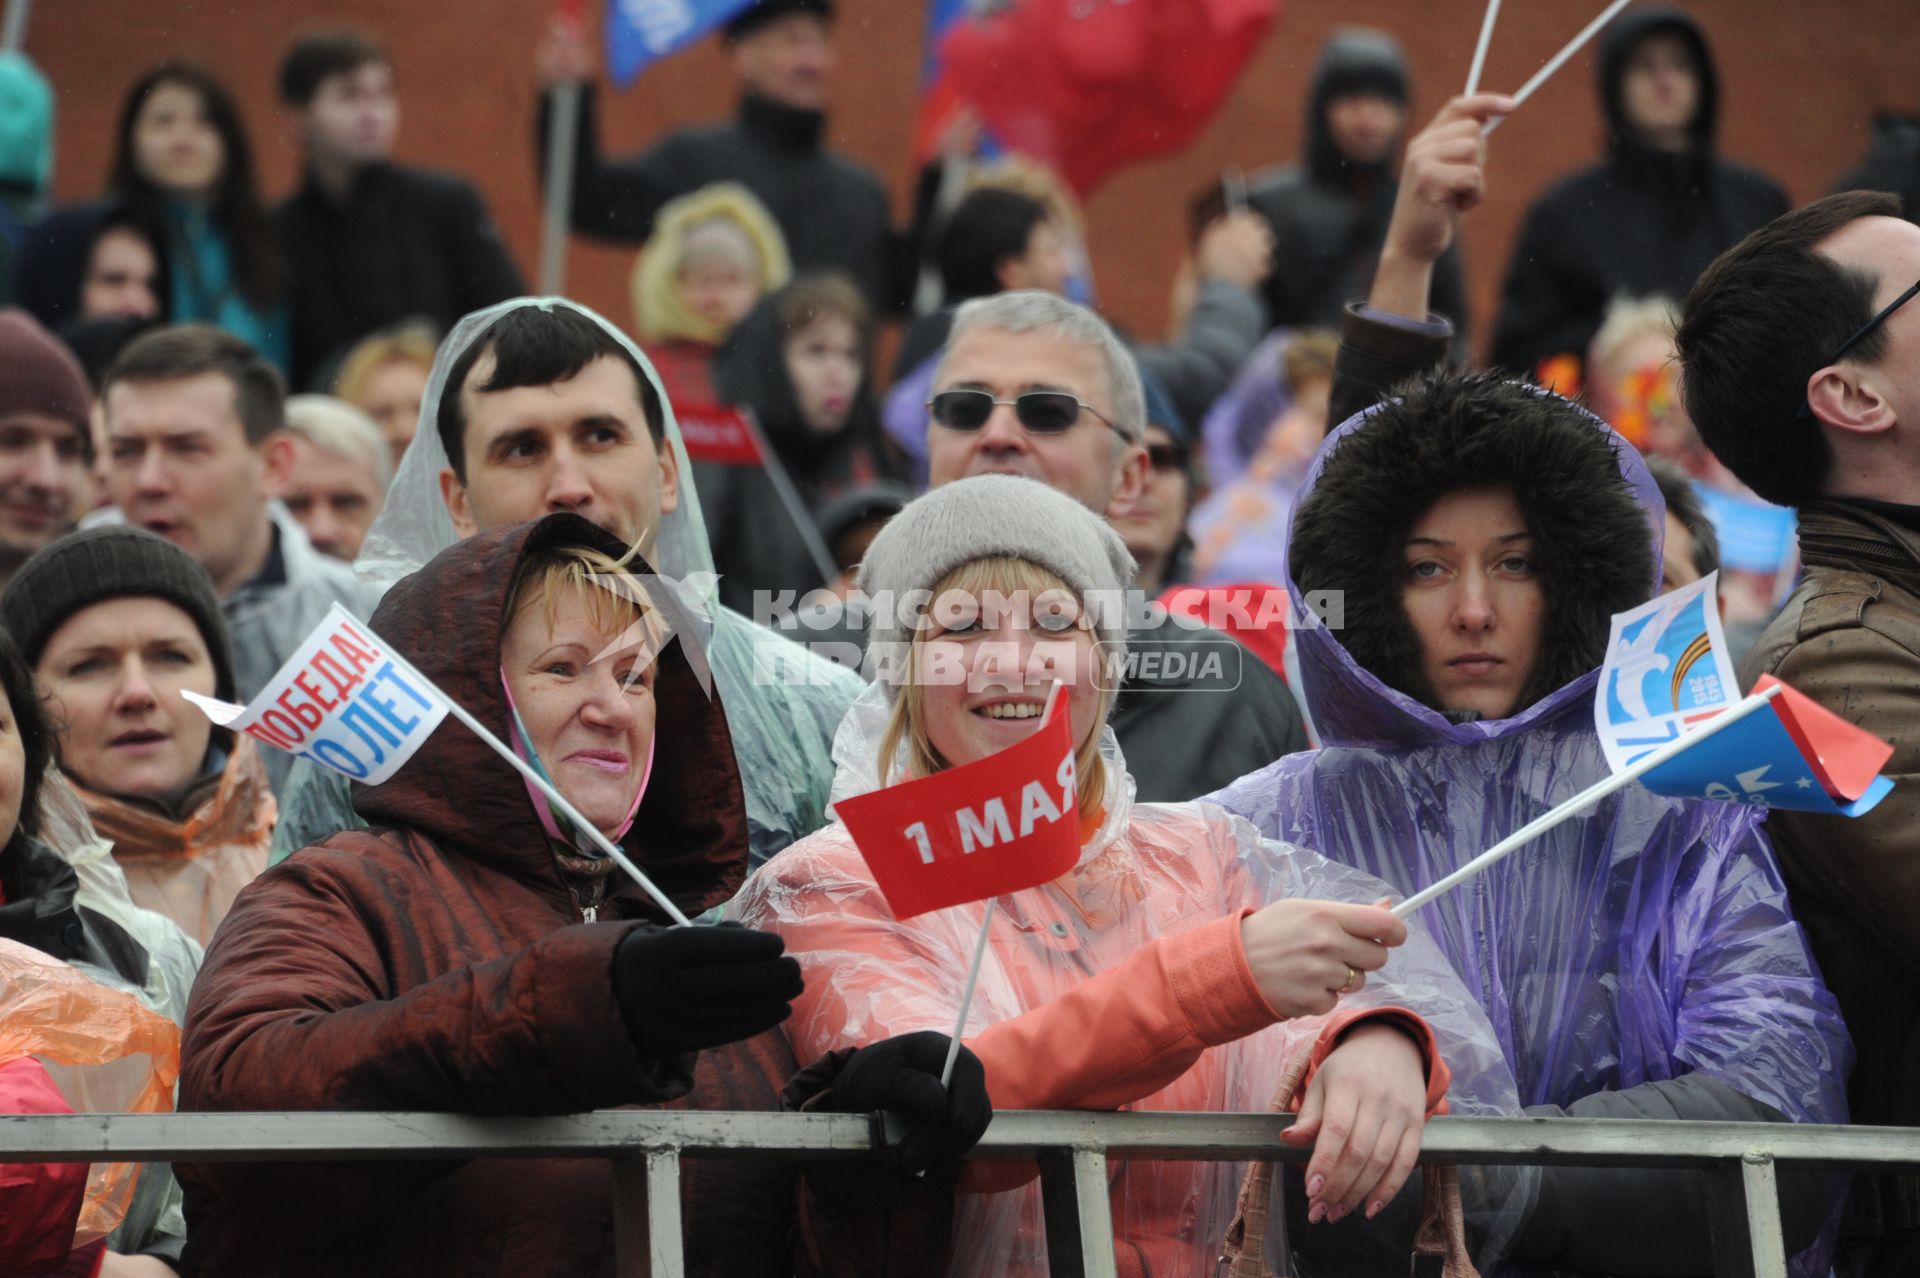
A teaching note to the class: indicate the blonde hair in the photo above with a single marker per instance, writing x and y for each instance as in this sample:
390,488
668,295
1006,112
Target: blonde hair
907,720
1629,319
615,598
408,344
337,427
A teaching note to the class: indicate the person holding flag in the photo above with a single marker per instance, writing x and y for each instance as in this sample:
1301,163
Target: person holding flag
1637,961
1179,963
474,953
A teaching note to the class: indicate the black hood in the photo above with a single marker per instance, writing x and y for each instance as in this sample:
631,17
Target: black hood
750,369
1629,30
1592,536
1354,60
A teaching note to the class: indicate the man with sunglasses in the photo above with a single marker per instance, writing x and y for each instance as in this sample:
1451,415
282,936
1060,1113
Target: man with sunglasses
1800,350
1033,384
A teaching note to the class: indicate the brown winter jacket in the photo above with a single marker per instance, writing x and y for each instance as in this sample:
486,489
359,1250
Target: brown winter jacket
439,961
1850,638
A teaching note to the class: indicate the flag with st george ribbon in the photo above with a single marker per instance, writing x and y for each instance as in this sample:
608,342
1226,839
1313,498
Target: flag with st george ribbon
1667,672
997,825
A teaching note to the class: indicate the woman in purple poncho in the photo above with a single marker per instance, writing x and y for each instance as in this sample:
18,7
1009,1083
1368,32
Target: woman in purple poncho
1639,960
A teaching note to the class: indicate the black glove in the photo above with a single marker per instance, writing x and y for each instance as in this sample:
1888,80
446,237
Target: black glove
686,988
903,1075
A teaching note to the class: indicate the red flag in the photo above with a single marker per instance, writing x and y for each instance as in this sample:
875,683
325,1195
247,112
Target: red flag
1844,758
1091,86
719,433
997,825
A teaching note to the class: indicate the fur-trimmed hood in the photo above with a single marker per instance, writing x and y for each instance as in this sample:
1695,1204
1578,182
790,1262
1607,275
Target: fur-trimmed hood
1591,505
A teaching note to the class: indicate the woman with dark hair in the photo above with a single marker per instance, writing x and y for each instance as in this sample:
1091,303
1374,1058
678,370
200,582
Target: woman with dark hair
1639,961
183,159
799,362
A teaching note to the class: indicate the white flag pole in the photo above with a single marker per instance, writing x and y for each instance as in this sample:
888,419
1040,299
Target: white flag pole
1559,59
1480,49
966,998
558,800
1586,799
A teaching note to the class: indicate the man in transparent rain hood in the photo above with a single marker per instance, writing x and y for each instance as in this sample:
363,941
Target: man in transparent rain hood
538,405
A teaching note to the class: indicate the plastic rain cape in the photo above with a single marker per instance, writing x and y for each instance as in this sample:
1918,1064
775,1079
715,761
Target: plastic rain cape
1644,939
782,702
1149,871
106,1056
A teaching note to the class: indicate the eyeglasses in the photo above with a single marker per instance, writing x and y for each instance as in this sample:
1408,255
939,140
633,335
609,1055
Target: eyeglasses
1167,457
1860,335
1039,412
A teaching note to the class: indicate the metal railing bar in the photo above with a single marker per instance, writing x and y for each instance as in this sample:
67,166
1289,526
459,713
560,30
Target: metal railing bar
1766,1234
664,1233
305,1137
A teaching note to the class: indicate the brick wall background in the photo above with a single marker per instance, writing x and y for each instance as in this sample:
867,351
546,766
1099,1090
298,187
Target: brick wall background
1801,79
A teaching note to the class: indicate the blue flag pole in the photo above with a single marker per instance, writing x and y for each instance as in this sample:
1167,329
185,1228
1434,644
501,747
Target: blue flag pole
1586,799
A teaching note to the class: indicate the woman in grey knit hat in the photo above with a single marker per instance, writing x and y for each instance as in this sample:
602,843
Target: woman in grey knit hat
116,623
1183,964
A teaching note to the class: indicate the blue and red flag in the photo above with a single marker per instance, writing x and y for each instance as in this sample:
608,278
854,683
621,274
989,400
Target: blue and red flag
1667,672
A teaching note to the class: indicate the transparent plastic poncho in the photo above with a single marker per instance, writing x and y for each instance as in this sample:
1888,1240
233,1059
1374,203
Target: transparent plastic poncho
782,702
1149,871
1643,939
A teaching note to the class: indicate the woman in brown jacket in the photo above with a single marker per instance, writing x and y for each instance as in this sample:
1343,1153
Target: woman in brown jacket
463,955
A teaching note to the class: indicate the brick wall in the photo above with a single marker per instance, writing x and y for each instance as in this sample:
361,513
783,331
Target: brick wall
1801,78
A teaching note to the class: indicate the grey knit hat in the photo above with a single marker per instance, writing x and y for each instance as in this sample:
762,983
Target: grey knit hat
113,561
990,516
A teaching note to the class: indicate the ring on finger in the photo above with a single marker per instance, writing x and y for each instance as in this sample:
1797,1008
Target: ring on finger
1353,980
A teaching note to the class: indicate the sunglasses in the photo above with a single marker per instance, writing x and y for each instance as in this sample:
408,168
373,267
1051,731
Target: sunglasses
1039,412
1860,335
1167,457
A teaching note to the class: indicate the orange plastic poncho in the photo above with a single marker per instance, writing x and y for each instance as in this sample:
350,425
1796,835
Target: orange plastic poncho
104,1050
191,869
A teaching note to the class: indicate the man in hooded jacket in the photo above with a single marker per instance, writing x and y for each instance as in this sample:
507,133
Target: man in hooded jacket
1329,213
1648,218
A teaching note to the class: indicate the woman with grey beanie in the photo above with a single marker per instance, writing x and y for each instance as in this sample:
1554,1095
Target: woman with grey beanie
1183,964
116,623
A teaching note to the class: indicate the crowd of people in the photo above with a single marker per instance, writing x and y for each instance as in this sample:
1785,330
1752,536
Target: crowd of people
1324,603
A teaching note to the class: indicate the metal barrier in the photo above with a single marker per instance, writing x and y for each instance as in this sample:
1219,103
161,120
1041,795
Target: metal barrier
1072,1149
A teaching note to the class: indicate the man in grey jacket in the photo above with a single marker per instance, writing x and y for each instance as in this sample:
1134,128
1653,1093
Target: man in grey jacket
188,412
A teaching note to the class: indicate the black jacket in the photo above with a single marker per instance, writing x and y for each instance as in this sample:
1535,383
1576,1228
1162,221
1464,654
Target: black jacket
1892,162
407,244
756,545
832,211
1643,222
1329,215
1198,712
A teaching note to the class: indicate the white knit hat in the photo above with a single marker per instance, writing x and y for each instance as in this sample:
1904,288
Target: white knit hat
990,516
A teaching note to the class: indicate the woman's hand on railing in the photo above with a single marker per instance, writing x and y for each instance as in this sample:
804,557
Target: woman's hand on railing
1363,1113
1306,954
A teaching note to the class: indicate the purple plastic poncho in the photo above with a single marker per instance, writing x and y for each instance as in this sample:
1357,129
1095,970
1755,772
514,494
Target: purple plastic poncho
1644,939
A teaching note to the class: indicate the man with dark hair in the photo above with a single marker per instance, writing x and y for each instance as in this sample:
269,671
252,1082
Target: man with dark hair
1800,350
1649,218
372,244
188,412
46,441
1329,212
832,211
547,412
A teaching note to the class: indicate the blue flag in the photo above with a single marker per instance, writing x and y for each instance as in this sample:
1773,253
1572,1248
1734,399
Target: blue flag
1667,674
641,32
